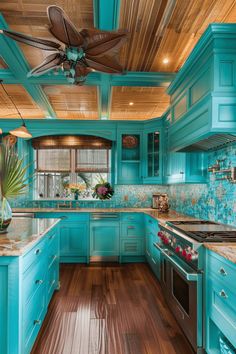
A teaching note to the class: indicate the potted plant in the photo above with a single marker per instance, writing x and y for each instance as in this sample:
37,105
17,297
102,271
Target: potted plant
103,190
12,182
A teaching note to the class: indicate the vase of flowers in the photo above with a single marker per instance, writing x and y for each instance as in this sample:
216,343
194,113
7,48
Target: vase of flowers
103,190
12,182
76,189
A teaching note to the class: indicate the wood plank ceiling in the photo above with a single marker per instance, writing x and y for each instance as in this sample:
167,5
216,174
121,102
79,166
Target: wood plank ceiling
159,29
22,100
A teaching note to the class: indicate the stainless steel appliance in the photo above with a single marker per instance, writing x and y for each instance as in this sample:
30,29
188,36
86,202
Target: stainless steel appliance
182,257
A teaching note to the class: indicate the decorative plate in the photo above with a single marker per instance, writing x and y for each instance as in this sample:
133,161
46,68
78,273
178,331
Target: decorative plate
129,141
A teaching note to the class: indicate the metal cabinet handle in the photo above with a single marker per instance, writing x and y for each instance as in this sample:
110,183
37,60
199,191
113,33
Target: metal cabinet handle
39,281
53,281
54,257
51,236
181,172
63,217
37,322
222,271
131,227
223,294
37,251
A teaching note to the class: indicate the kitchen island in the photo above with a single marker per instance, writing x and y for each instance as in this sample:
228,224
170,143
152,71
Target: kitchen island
29,275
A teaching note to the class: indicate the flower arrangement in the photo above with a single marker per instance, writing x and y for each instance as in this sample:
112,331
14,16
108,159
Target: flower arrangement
103,190
76,189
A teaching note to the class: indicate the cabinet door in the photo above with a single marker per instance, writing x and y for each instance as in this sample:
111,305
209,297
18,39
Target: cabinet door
152,162
104,239
129,157
176,167
73,239
196,167
132,247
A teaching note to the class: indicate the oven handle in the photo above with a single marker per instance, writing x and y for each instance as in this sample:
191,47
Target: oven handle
188,276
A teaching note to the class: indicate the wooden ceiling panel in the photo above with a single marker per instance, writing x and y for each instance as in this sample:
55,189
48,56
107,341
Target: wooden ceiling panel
22,100
30,17
170,29
73,102
148,102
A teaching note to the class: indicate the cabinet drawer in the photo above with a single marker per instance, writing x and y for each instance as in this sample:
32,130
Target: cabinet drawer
151,224
126,217
222,309
134,247
33,315
132,230
222,270
33,279
64,216
35,254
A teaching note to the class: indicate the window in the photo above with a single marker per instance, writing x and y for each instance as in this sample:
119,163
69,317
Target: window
56,169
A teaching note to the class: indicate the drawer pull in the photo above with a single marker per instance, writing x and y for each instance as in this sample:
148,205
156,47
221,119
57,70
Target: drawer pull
131,227
222,271
223,294
53,281
54,257
37,251
37,322
63,217
39,281
51,237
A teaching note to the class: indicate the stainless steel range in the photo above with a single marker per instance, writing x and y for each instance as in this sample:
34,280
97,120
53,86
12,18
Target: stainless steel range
182,264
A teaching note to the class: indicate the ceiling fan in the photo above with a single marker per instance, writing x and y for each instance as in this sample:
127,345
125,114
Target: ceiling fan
82,51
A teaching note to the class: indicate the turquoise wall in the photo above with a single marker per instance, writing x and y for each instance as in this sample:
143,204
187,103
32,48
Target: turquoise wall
215,201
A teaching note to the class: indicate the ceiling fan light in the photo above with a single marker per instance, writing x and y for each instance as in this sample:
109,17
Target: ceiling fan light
21,132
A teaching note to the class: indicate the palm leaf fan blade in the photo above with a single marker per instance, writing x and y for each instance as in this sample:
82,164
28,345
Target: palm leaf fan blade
105,43
32,41
62,28
51,62
105,64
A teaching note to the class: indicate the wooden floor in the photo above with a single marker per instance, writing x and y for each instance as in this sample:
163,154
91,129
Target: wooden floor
109,309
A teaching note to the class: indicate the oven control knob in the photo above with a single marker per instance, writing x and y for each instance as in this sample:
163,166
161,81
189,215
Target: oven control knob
194,256
177,249
184,253
188,257
160,234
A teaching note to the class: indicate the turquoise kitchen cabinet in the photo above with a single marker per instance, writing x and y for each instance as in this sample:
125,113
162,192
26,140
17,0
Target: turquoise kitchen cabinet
74,236
220,294
104,239
129,157
188,167
26,290
74,242
152,155
152,253
132,237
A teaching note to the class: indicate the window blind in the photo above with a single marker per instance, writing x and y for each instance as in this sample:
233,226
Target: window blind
53,160
91,160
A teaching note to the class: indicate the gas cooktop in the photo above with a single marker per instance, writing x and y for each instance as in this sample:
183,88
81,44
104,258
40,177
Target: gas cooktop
205,231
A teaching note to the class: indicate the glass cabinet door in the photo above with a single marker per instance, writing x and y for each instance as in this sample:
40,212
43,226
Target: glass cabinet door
153,154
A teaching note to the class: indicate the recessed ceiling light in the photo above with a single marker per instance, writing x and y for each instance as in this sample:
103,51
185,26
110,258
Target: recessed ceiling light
131,103
165,61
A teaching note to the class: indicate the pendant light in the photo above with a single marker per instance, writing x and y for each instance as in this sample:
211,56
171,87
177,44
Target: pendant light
22,131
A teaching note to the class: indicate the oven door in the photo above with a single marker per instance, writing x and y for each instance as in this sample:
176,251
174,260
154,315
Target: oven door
182,287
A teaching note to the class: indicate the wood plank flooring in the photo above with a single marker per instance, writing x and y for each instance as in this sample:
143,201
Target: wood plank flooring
109,309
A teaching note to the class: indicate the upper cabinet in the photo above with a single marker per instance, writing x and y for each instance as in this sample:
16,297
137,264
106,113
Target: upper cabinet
129,157
152,151
203,93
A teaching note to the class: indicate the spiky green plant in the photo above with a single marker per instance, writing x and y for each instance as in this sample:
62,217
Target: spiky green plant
12,173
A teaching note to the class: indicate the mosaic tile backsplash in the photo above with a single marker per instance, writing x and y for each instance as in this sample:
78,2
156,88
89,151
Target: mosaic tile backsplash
214,201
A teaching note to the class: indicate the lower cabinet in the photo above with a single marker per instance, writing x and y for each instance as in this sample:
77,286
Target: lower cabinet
27,284
152,253
220,298
104,239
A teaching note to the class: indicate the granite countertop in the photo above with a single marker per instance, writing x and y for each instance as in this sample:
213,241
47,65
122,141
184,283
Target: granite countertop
22,234
171,215
226,250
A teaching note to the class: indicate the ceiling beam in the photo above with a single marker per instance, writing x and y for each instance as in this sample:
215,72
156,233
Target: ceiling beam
104,98
106,14
19,68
